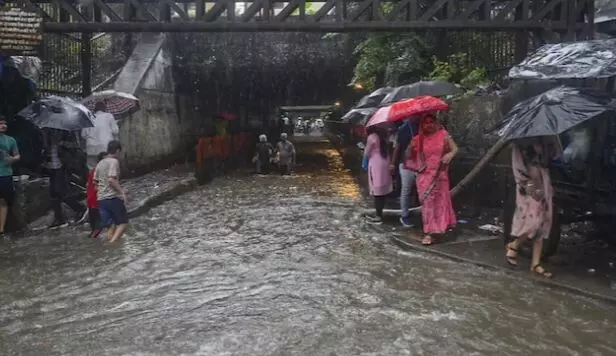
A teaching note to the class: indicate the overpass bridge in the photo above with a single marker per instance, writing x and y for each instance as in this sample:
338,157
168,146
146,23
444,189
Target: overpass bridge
564,16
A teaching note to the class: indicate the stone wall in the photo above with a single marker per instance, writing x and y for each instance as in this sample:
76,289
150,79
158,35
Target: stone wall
32,201
152,137
469,119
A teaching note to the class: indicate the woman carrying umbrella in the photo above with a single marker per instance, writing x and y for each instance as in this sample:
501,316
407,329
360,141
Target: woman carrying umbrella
429,155
534,210
533,126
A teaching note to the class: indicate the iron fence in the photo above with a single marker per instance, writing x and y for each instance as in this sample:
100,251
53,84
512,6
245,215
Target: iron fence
62,70
493,52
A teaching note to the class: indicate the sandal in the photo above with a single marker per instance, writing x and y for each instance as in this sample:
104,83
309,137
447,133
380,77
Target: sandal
541,272
512,260
427,240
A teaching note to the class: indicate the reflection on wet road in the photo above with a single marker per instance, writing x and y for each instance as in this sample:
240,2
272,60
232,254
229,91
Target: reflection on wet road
275,266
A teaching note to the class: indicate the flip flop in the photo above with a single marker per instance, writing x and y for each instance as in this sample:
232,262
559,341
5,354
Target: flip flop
511,260
427,240
540,271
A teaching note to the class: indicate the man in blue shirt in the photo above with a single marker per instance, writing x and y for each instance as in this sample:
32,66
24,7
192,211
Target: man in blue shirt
404,136
9,154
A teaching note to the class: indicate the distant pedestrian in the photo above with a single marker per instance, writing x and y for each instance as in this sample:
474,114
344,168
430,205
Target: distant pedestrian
534,208
92,201
287,155
111,196
379,178
57,151
430,154
9,154
263,155
98,137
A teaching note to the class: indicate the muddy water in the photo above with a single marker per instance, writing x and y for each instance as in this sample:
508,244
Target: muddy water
275,266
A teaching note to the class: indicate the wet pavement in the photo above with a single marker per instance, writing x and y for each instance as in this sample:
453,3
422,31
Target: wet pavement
584,263
252,265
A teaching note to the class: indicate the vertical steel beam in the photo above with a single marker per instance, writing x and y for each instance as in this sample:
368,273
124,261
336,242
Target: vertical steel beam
85,56
130,14
164,11
199,10
589,15
522,12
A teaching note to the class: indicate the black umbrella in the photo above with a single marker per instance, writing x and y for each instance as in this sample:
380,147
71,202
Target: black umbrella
568,60
432,88
552,113
358,116
59,113
373,99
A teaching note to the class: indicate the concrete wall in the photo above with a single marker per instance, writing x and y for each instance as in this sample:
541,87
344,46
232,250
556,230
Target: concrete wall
153,136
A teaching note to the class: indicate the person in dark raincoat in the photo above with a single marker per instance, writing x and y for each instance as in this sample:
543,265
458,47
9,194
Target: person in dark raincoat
263,156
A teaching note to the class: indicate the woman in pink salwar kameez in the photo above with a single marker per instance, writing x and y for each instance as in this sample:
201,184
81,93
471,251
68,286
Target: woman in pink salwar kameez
429,154
534,210
379,178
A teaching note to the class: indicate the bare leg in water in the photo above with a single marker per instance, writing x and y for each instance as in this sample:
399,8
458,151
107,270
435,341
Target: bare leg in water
4,210
118,232
111,232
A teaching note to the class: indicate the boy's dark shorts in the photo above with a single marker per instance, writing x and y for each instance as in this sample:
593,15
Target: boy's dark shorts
112,212
7,191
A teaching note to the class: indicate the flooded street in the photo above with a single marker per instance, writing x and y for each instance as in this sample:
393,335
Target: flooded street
254,265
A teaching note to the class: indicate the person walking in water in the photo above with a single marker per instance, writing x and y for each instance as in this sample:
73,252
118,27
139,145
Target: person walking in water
111,196
264,153
534,209
405,134
287,155
9,154
92,201
379,178
57,164
430,154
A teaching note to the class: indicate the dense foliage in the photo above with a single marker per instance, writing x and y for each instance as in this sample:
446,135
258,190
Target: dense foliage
396,59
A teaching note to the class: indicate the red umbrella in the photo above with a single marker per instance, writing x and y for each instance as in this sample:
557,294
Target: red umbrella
407,108
380,116
417,106
227,116
116,103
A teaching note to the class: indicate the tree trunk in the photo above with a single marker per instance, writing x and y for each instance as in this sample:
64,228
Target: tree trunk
485,160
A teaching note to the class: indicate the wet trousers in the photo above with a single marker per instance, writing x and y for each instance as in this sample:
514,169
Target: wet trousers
379,204
58,189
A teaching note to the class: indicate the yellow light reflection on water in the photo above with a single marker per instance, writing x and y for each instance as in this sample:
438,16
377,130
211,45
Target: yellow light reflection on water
342,183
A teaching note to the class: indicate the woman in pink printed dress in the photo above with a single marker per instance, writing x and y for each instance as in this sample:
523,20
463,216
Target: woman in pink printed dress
379,178
534,210
429,155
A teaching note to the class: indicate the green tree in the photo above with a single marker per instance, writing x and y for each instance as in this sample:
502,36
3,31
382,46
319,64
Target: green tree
387,58
455,69
396,59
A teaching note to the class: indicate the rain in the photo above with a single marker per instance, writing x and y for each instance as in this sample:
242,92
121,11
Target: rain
244,263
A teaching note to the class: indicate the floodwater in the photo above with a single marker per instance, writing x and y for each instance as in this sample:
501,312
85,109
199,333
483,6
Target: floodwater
275,266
